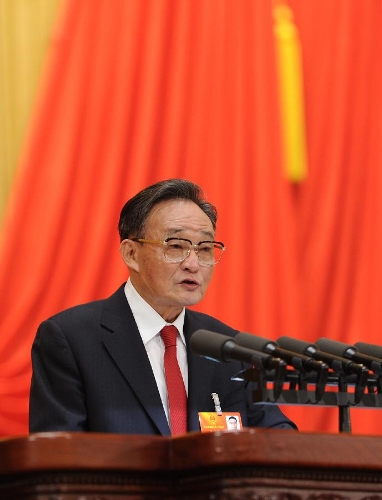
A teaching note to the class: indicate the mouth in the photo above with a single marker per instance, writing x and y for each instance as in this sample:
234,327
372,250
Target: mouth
190,284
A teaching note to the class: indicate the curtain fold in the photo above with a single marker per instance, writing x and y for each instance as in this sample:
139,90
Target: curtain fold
141,90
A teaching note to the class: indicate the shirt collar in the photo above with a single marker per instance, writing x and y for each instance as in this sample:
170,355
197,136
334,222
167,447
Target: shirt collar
149,322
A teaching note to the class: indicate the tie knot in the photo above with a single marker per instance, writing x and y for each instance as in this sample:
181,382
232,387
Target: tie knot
169,334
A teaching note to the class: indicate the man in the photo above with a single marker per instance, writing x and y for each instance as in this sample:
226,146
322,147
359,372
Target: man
99,367
232,424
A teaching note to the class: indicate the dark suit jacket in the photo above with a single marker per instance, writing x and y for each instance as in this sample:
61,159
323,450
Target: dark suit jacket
91,373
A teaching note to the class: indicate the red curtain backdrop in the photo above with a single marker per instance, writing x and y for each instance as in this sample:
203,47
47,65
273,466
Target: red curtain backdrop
136,91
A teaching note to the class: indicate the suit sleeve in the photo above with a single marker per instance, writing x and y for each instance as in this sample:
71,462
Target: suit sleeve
270,416
57,399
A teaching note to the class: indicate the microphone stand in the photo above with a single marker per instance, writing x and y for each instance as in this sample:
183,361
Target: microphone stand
291,387
344,421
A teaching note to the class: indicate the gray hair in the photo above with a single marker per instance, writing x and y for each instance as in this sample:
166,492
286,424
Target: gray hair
136,211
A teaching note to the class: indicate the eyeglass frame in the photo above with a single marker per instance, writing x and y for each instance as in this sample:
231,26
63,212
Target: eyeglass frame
164,243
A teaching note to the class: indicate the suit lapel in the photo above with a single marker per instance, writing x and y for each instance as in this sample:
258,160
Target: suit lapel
125,346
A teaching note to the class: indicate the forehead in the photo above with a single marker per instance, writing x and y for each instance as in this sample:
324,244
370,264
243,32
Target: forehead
178,215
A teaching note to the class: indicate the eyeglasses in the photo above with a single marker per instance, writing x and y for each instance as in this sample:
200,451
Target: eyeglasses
178,249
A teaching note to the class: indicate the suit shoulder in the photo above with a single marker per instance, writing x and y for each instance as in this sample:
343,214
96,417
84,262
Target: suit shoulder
78,310
90,310
196,320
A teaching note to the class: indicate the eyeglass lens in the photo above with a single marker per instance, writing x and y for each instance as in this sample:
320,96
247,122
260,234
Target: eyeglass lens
208,253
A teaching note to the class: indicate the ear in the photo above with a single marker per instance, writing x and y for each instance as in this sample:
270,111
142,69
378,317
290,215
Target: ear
129,252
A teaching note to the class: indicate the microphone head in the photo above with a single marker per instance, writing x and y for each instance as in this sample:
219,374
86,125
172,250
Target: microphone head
297,345
335,347
369,349
211,345
253,341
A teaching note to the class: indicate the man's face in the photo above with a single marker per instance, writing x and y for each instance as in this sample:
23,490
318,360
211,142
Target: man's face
232,423
169,286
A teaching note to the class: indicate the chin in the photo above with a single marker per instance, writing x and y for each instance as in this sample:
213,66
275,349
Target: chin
193,300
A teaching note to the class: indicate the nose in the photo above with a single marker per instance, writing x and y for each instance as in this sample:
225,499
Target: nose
191,261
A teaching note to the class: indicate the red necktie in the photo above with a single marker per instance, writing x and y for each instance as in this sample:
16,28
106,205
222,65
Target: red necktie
177,397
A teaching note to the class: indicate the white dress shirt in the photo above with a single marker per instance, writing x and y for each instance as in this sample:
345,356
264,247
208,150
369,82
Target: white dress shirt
150,323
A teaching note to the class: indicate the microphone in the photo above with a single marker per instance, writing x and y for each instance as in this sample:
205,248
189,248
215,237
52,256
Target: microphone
297,360
219,347
369,349
350,352
337,363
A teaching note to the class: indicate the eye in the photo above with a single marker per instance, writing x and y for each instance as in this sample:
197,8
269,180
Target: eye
206,248
178,244
175,245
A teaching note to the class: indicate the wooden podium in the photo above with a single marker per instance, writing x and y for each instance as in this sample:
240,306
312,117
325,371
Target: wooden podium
251,464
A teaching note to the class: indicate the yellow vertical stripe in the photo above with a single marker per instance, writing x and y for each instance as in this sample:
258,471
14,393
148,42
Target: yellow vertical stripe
290,81
25,28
